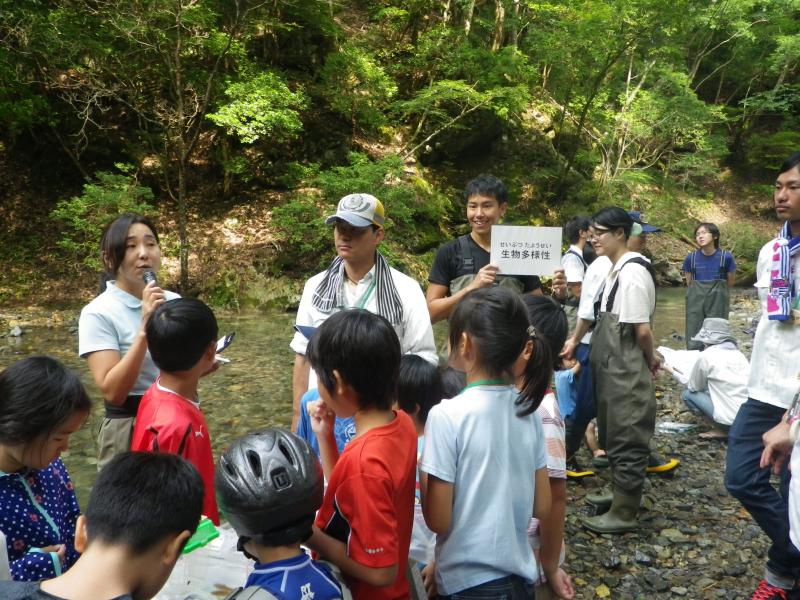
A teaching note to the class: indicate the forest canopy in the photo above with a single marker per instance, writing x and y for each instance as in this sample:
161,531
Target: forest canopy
580,100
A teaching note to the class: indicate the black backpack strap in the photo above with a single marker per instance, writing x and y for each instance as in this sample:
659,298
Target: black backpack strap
580,256
723,272
639,261
467,262
693,268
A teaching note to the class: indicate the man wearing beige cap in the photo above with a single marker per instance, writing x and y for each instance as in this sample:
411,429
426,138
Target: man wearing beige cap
360,277
717,384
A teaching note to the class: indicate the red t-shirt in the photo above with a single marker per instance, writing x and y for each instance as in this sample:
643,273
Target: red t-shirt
369,503
168,422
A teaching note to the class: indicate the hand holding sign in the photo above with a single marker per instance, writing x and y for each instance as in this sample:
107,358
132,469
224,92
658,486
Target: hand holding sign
526,250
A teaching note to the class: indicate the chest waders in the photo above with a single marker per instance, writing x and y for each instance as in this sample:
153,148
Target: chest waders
626,413
705,299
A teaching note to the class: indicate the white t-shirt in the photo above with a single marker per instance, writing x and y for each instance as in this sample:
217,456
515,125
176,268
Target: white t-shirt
415,332
574,268
775,360
111,322
794,495
477,442
722,370
593,281
635,300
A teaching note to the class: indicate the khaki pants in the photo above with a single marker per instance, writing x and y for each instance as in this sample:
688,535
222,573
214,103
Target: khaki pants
114,438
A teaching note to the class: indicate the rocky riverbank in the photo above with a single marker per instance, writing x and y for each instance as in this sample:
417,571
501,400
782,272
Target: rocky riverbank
696,540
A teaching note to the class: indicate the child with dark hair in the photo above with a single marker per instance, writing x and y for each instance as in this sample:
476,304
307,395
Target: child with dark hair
419,388
364,525
42,403
181,336
269,484
547,536
142,510
484,451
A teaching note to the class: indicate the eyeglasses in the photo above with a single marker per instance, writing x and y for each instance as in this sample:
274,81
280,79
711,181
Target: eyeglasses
596,233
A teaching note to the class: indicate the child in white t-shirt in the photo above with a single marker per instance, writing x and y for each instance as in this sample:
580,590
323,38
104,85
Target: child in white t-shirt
484,451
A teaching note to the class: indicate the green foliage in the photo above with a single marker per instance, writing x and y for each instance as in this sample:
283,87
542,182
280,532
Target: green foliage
83,217
413,212
742,239
357,87
263,106
768,150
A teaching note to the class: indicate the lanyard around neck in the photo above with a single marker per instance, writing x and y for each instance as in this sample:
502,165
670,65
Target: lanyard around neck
484,382
363,300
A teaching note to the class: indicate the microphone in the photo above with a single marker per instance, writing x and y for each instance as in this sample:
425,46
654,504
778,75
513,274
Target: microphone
149,276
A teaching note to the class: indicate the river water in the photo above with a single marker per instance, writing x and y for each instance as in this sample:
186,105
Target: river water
251,392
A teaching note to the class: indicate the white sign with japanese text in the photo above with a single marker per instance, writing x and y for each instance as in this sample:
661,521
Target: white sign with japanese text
526,250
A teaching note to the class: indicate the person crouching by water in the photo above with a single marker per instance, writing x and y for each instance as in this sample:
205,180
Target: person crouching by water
718,381
111,329
623,363
709,272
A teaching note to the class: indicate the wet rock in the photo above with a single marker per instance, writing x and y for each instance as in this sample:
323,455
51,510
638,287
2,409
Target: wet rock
674,536
679,590
735,570
655,581
642,558
15,331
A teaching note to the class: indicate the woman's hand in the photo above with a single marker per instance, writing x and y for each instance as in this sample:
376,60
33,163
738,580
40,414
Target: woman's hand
429,580
152,297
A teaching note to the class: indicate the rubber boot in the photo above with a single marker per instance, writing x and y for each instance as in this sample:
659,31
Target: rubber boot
601,498
621,517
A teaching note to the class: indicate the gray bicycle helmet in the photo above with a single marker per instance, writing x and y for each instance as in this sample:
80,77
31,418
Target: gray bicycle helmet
269,486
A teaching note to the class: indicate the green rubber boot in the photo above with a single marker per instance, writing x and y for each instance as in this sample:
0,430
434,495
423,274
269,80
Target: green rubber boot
620,518
601,498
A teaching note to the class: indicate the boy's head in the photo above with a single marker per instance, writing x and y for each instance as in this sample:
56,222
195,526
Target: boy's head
419,387
356,355
453,381
486,198
269,486
180,333
576,228
147,504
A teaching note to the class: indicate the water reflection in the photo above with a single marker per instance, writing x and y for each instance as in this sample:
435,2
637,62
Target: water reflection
253,391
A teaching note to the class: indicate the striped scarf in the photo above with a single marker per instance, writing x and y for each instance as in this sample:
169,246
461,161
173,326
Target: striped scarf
329,293
781,286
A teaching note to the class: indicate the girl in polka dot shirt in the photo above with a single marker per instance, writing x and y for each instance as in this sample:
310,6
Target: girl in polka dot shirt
41,404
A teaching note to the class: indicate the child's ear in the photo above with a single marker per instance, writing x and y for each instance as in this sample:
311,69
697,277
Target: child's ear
80,534
527,351
338,383
174,546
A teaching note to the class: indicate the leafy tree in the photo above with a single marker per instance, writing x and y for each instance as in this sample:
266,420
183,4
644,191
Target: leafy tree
83,217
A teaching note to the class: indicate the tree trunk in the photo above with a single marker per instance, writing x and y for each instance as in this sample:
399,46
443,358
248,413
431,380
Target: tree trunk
499,25
468,17
447,12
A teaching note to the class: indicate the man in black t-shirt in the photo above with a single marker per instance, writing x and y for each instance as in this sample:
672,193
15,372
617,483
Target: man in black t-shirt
462,265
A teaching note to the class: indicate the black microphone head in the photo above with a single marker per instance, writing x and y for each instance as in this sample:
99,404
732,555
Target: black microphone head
149,276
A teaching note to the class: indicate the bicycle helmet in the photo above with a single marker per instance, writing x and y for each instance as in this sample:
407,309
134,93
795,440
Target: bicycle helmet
269,486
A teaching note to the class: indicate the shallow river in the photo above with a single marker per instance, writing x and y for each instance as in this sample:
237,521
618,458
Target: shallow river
253,391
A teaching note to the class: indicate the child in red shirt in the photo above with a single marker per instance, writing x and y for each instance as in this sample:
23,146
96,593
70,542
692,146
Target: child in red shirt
181,338
364,525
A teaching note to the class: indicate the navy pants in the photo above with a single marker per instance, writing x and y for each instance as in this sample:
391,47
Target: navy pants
751,486
585,405
512,587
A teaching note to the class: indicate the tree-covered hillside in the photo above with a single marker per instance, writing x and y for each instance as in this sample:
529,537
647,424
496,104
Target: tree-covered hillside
256,116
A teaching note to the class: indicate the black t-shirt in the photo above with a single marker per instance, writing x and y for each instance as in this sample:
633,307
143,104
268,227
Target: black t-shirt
27,590
449,264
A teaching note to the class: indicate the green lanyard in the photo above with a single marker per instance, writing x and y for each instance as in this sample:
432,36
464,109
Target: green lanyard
363,302
484,382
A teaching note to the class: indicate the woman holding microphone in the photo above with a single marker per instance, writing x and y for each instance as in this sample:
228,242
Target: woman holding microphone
111,330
